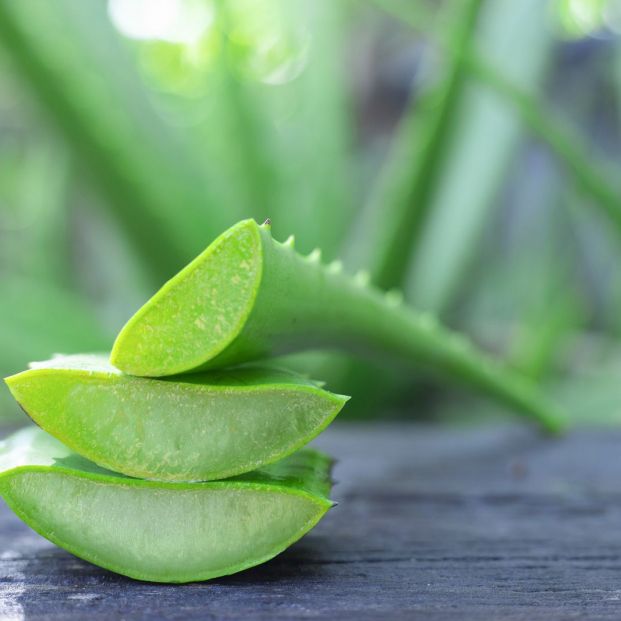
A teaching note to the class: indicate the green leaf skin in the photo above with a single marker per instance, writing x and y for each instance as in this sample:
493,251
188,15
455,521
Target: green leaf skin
197,427
247,297
157,531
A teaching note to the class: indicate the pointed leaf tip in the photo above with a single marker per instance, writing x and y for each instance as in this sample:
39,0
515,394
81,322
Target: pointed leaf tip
267,224
290,241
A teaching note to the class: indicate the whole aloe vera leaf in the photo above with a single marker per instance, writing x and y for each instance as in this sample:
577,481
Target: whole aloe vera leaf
190,428
162,532
247,297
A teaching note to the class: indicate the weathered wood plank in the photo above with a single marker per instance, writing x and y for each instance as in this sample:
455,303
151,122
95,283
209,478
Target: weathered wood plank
431,524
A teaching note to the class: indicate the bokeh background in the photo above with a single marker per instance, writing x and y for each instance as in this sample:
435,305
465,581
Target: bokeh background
466,152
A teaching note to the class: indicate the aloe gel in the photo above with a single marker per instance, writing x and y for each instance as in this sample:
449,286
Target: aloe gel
248,297
189,428
158,531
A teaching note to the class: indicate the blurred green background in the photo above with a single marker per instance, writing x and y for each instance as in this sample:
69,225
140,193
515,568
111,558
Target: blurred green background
464,151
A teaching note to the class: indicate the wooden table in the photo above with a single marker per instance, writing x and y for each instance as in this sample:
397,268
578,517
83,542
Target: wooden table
432,524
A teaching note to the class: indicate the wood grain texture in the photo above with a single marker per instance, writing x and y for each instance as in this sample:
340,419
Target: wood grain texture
431,524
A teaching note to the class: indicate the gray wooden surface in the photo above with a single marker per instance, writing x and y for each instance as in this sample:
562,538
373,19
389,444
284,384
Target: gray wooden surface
432,524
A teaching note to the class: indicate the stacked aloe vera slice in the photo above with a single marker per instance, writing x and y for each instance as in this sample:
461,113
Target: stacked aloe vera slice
178,460
175,478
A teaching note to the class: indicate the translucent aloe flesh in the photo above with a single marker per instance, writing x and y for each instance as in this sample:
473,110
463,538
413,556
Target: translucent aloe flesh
188,428
247,297
157,531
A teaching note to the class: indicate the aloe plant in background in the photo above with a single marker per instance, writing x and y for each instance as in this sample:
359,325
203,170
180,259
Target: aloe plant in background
241,143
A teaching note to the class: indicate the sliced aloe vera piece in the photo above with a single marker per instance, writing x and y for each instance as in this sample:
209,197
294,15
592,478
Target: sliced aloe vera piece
189,428
247,297
163,532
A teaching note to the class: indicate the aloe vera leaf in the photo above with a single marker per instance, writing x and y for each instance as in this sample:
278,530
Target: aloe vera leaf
190,428
465,195
399,203
156,531
247,297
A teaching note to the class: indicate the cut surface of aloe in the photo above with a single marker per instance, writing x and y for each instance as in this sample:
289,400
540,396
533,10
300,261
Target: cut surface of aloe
188,428
248,297
158,531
